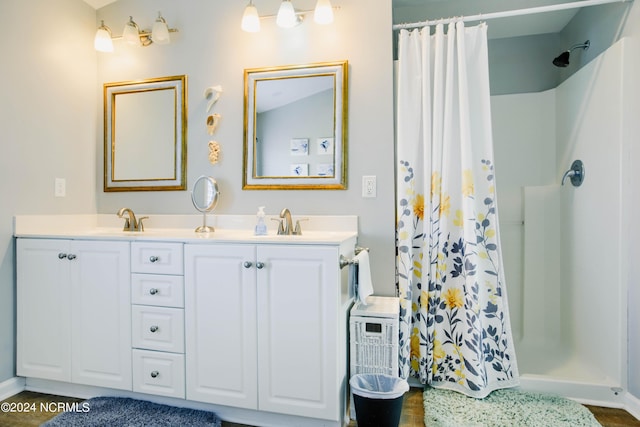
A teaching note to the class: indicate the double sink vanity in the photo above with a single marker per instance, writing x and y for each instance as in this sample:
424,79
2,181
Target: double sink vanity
253,328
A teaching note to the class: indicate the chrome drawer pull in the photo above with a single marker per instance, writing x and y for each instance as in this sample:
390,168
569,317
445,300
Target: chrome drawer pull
153,291
71,257
154,328
154,258
259,265
247,264
62,256
154,374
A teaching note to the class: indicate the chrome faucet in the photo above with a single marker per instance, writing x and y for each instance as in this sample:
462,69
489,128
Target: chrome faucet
287,227
130,221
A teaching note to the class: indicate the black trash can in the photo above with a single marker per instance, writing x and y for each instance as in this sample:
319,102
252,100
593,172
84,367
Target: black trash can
378,399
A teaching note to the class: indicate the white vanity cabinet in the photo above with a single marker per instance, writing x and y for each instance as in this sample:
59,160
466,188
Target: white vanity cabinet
157,296
74,311
43,309
266,328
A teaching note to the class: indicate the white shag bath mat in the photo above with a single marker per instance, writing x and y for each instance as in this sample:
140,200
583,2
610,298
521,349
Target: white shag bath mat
503,408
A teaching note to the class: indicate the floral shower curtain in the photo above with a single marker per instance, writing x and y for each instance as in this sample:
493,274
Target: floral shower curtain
454,319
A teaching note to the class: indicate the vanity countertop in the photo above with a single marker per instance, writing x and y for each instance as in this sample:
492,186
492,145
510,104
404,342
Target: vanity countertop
330,230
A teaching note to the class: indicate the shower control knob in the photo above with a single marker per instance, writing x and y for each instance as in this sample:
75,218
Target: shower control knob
247,264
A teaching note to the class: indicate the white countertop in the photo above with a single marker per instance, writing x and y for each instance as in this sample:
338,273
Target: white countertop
181,228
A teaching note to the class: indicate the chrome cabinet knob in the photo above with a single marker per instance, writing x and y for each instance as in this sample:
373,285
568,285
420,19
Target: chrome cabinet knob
62,256
247,264
154,374
154,328
259,265
153,291
154,258
71,257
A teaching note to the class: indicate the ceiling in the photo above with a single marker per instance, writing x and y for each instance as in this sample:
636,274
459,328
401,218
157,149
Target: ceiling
421,10
97,4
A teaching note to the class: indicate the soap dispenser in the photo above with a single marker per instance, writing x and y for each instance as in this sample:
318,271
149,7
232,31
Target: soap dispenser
261,227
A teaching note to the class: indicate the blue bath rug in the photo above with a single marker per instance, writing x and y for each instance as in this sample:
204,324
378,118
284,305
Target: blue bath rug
125,412
503,408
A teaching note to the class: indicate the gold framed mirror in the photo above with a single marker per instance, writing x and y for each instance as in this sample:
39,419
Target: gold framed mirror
295,127
145,135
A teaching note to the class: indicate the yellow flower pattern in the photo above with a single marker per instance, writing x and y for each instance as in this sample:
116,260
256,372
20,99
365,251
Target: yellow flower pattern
418,206
453,330
453,298
467,183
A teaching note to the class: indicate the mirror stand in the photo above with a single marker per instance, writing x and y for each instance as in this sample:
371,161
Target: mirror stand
204,228
205,198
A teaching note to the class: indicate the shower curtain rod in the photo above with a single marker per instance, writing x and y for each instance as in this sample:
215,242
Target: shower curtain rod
508,13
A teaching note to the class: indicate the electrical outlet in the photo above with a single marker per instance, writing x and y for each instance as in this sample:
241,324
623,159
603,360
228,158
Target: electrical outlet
60,187
369,186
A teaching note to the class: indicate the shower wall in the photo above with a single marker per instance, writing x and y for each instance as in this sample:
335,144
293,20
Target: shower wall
564,247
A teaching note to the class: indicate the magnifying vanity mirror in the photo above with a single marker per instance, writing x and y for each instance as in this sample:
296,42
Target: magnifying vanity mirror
145,128
204,196
295,127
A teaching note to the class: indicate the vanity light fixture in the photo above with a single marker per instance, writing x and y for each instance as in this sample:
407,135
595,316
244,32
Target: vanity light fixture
132,34
287,16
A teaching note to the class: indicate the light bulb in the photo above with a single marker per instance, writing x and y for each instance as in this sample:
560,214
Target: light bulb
323,13
250,19
130,33
160,31
102,41
286,15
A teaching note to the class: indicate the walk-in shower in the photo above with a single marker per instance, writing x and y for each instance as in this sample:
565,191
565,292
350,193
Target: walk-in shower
565,246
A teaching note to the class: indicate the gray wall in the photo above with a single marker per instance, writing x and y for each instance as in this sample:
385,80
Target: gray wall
47,127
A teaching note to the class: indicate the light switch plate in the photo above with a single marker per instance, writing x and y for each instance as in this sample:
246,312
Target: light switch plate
60,187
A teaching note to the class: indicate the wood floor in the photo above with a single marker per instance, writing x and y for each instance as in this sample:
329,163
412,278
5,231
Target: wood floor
412,411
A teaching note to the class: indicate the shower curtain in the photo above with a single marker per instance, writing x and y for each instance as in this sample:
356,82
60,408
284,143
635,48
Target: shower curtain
454,320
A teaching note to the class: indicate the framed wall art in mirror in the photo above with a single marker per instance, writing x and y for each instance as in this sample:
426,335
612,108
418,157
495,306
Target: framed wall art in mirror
145,130
295,127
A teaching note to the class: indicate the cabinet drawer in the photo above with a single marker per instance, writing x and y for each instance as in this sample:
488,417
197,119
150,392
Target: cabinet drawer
156,258
158,290
158,328
159,373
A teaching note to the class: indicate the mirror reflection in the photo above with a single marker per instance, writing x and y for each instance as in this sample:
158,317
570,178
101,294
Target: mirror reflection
145,135
295,127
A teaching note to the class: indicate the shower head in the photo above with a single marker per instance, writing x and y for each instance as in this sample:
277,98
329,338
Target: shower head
562,60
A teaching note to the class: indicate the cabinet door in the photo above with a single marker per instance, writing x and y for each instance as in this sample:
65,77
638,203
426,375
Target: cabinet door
220,323
101,314
43,309
298,299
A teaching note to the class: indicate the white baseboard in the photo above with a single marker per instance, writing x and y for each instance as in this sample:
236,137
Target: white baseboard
11,386
632,405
